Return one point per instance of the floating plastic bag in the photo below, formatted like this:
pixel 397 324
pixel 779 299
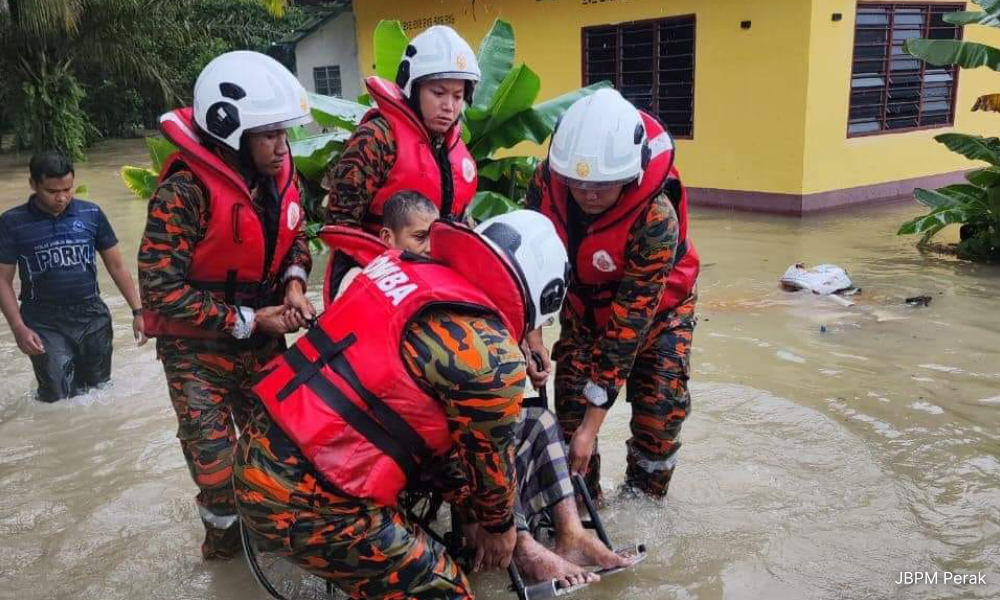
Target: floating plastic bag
pixel 821 279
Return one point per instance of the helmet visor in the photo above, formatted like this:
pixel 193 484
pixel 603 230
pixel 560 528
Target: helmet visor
pixel 591 185
pixel 306 118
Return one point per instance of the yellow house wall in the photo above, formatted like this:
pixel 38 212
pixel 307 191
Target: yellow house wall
pixel 834 161
pixel 749 85
pixel 771 102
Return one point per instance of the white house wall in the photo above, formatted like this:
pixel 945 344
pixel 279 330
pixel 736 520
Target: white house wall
pixel 335 43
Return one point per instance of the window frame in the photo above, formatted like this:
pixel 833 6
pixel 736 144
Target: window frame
pixel 954 7
pixel 326 69
pixel 656 59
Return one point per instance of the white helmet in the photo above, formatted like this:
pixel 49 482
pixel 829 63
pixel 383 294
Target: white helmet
pixel 599 141
pixel 530 242
pixel 247 91
pixel 437 53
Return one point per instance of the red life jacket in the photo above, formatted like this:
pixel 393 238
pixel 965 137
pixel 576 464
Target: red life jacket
pixel 415 167
pixel 229 260
pixel 598 253
pixel 343 394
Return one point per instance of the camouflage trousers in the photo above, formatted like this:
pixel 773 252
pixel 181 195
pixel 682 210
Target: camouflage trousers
pixel 210 389
pixel 368 551
pixel 657 389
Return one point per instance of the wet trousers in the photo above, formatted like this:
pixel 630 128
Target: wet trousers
pixel 77 340
pixel 210 388
pixel 371 551
pixel 656 389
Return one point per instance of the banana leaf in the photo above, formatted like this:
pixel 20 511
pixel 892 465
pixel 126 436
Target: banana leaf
pixel 516 93
pixel 972 147
pixel 496 59
pixel 993 207
pixel 984 178
pixel 141 181
pixel 299 132
pixel 534 124
pixel 160 148
pixel 936 219
pixel 490 204
pixel 494 170
pixel 336 112
pixel 966 17
pixel 990 15
pixel 968 55
pixel 312 155
pixel 952 196
pixel 390 41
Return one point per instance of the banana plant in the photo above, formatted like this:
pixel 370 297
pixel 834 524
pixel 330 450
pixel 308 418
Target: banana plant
pixel 975 205
pixel 502 114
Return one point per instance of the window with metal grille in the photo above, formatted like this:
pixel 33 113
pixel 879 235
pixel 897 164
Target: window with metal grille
pixel 890 89
pixel 651 63
pixel 327 80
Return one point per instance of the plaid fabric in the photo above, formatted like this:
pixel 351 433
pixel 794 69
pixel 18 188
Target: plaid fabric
pixel 542 466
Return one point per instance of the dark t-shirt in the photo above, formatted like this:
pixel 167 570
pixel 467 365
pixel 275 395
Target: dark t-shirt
pixel 56 257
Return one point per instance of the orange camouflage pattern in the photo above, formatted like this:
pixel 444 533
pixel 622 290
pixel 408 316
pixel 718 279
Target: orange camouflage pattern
pixel 359 172
pixel 474 367
pixel 209 380
pixel 642 348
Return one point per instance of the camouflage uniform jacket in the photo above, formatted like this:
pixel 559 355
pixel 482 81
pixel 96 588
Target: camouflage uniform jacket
pixel 177 219
pixel 649 255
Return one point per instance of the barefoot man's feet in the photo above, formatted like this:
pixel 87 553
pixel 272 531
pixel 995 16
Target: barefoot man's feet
pixel 538 563
pixel 585 550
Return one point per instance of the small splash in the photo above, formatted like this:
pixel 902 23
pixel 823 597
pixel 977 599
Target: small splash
pixel 854 356
pixel 924 379
pixel 993 400
pixel 830 372
pixel 784 355
pixel 942 368
pixel 927 407
pixel 878 397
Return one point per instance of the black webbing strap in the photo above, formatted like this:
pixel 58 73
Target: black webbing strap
pixel 231 286
pixel 306 369
pixel 391 421
pixel 387 431
pixel 361 421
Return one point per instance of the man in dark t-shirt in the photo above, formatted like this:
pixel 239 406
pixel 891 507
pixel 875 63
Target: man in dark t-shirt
pixel 52 241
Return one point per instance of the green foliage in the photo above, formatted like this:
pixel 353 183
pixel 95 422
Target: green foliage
pixel 48 115
pixel 502 115
pixel 140 181
pixel 390 42
pixel 491 204
pixel 976 205
pixel 113 111
pixel 130 60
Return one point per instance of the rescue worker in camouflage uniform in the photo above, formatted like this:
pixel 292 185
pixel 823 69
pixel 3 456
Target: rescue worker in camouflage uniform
pixel 412 140
pixel 610 187
pixel 318 480
pixel 223 264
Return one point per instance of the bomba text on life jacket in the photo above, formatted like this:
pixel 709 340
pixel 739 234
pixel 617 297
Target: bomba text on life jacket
pixel 387 276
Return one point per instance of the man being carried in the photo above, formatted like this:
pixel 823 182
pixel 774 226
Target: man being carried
pixel 543 477
pixel 318 480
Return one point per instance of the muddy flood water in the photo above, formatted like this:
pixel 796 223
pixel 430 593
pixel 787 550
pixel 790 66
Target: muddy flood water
pixel 831 450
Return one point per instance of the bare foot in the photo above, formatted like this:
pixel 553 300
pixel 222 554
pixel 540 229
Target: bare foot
pixel 538 563
pixel 586 550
